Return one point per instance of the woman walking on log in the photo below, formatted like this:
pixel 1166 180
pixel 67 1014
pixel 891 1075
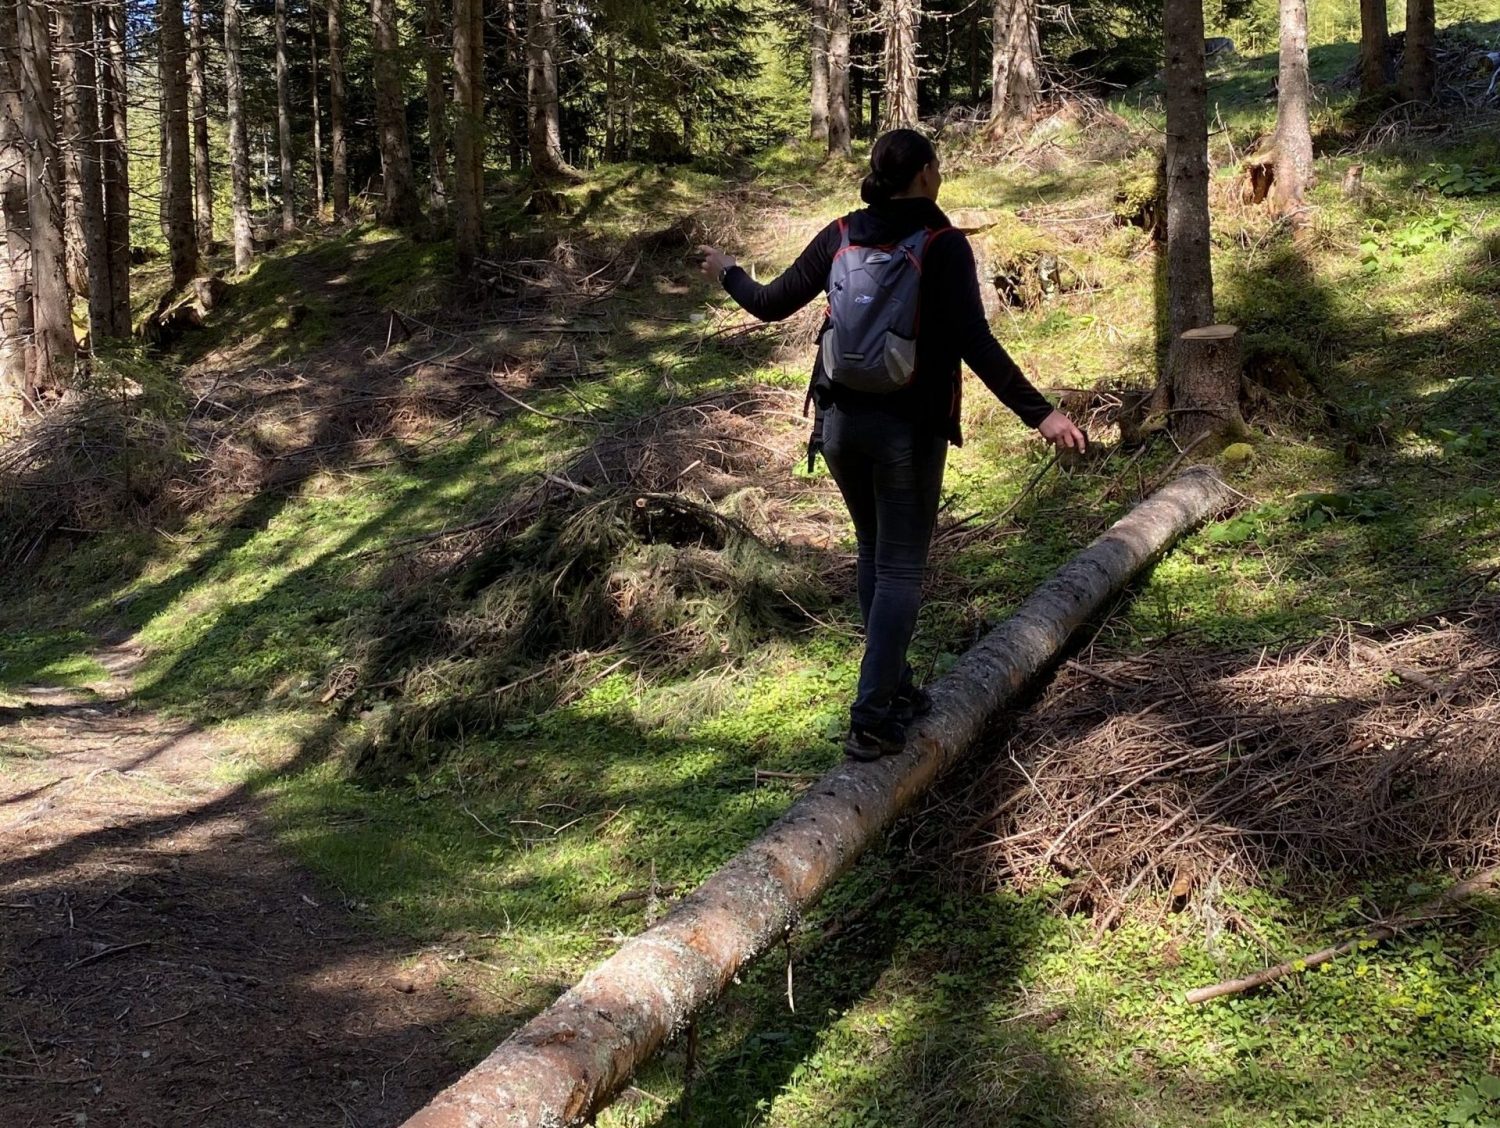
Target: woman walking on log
pixel 903 311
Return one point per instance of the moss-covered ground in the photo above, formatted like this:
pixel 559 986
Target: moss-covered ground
pixel 528 850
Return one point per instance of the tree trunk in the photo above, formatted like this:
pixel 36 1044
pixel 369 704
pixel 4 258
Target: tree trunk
pixel 902 23
pixel 1294 153
pixel 16 388
pixel 1190 287
pixel 434 58
pixel 109 20
pixel 78 87
pixel 54 349
pixel 611 109
pixel 239 139
pixel 544 123
pixel 1204 368
pixel 1374 58
pixel 203 199
pixel 468 136
pixel 1015 78
pixel 284 125
pixel 317 112
pixel 514 101
pixel 400 207
pixel 177 160
pixel 838 78
pixel 1418 67
pixel 566 1063
pixel 338 145
pixel 818 42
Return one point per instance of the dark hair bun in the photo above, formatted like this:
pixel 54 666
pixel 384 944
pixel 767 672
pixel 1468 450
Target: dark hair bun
pixel 895 160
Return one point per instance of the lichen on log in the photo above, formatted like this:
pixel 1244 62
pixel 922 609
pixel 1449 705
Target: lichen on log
pixel 567 1062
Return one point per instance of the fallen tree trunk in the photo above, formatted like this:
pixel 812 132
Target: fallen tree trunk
pixel 568 1061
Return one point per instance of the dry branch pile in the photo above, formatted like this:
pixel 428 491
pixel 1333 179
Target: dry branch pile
pixel 1165 771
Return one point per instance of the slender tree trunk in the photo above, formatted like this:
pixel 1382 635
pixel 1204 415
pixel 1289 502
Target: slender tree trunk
pixel 78 85
pixel 1015 75
pixel 317 112
pixel 838 78
pixel 818 43
pixel 1418 67
pixel 177 160
pixel 974 53
pixel 544 123
pixel 338 145
pixel 109 20
pixel 435 57
pixel 284 125
pixel 16 386
pixel 1294 153
pixel 400 206
pixel 239 139
pixel 1190 287
pixel 517 73
pixel 468 136
pixel 203 199
pixel 1374 59
pixel 53 344
pixel 611 110
pixel 902 24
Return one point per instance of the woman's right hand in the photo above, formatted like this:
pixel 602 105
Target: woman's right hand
pixel 1062 432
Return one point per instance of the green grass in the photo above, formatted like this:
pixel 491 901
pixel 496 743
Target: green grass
pixel 941 1004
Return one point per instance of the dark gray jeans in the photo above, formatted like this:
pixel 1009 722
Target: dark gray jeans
pixel 890 471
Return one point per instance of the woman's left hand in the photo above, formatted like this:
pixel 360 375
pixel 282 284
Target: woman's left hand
pixel 715 262
pixel 1062 432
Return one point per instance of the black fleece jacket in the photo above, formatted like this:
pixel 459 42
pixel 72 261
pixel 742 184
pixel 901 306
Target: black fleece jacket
pixel 951 325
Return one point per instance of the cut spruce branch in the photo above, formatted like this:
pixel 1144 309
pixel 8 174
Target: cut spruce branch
pixel 1429 911
pixel 567 1062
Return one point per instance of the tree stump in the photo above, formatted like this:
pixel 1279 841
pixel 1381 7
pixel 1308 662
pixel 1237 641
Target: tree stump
pixel 1203 367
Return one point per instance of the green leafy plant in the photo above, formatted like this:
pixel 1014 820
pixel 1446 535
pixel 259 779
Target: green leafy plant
pixel 1461 180
pixel 1385 248
pixel 1477 1104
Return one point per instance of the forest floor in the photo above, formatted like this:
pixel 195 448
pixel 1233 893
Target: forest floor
pixel 509 615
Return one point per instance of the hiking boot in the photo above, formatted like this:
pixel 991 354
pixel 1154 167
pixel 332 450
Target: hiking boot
pixel 911 704
pixel 874 741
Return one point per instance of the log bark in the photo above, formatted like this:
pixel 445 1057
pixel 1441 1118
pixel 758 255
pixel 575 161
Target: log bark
pixel 1203 366
pixel 818 46
pixel 1374 57
pixel 239 139
pixel 1294 149
pixel 567 1062
pixel 338 146
pixel 839 138
pixel 1190 283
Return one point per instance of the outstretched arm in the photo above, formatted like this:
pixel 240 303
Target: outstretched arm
pixel 986 356
pixel 797 285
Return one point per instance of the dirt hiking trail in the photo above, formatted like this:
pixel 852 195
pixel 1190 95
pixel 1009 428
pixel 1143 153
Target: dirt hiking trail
pixel 162 964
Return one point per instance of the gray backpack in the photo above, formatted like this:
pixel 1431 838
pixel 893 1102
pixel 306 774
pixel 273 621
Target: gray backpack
pixel 870 344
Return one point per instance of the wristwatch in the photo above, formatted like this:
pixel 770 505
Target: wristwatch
pixel 724 272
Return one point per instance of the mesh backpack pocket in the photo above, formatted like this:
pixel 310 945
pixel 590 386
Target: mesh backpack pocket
pixel 873 294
